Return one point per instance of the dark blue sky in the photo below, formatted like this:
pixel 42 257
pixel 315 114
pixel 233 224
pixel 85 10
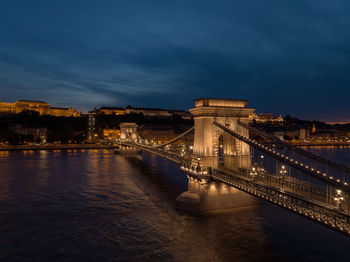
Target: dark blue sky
pixel 286 57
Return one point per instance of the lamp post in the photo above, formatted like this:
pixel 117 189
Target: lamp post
pixel 261 169
pixel 338 198
pixel 282 173
pixel 254 172
pixel 198 166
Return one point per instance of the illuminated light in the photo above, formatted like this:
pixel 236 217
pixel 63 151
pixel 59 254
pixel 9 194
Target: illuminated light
pixel 318 171
pixel 345 183
pixel 331 177
pixel 324 174
pixel 338 180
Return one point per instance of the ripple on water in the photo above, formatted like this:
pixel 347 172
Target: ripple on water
pixel 93 205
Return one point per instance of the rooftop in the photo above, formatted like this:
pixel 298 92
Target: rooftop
pixel 144 108
pixel 111 108
pixel 32 101
pixel 220 102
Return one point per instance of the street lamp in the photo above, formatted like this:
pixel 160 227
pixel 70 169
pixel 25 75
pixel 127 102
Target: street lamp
pixel 283 172
pixel 198 166
pixel 254 172
pixel 338 198
pixel 262 161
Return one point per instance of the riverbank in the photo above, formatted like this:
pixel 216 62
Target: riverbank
pixel 321 144
pixel 56 147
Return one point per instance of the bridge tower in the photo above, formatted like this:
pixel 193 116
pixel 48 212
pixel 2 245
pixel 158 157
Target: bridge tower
pixel 128 130
pixel 210 143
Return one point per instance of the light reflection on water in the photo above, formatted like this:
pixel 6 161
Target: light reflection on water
pixel 94 205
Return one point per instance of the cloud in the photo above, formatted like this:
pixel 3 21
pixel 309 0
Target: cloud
pixel 289 57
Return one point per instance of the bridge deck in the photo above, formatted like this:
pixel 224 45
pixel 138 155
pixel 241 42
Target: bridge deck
pixel 286 198
pixel 312 200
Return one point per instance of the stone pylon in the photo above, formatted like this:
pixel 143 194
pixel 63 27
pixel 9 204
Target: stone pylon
pixel 211 144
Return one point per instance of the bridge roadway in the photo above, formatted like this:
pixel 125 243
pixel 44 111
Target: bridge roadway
pixel 293 196
pixel 288 161
pixel 300 202
pixel 156 150
pixel 299 150
pixel 300 197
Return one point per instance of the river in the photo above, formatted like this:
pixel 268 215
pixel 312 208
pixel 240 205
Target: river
pixel 93 205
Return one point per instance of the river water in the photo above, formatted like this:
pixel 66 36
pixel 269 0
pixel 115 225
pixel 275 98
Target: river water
pixel 93 205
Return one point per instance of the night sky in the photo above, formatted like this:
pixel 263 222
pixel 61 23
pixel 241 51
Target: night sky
pixel 286 57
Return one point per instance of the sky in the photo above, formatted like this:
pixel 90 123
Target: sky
pixel 285 57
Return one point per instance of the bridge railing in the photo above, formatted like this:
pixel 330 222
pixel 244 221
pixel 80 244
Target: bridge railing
pixel 329 216
pixel 296 149
pixel 304 168
pixel 322 188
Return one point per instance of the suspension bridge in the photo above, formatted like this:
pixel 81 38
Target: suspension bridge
pixel 224 147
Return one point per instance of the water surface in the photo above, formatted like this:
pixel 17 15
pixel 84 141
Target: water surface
pixel 92 205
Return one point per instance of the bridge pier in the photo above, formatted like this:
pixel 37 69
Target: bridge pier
pixel 128 131
pixel 212 147
pixel 205 195
pixel 127 150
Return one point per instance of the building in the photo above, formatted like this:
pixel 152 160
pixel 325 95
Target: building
pixel 182 113
pixel 147 111
pixel 39 133
pixel 108 110
pixel 158 134
pixel 111 133
pixel 65 112
pixel 266 117
pixel 43 108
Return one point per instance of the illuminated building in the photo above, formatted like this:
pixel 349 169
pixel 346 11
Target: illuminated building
pixel 314 128
pixel 266 117
pixel 147 111
pixel 66 112
pixel 43 108
pixel 158 134
pixel 108 110
pixel 181 113
pixel 111 133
